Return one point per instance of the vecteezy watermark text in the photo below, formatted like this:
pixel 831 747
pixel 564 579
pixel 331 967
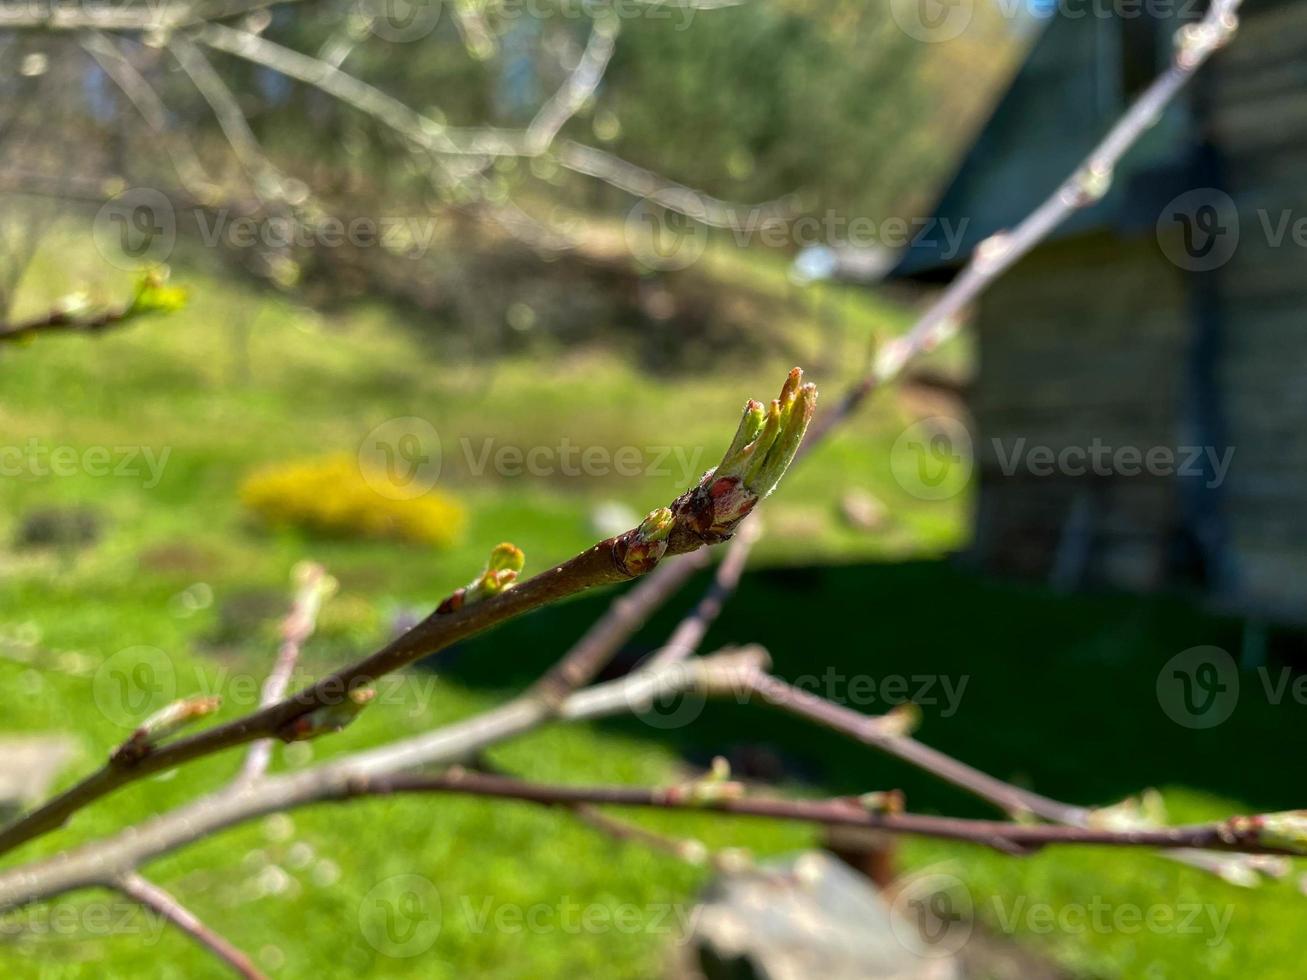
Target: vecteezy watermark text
pixel 81 918
pixel 936 915
pixel 403 915
pixel 40 459
pixel 140 225
pixel 1100 459
pixel 566 458
pixel 403 21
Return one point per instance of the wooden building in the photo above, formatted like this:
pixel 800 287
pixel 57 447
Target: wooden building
pixel 1170 318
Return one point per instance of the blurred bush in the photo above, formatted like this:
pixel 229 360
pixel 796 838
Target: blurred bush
pixel 333 496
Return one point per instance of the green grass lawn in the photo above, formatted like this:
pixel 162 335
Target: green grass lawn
pixel 1058 692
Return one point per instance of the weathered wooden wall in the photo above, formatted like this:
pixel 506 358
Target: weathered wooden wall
pixel 1083 340
pixel 1258 121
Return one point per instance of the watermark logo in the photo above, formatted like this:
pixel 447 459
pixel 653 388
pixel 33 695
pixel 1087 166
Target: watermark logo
pixel 401 916
pixel 1199 230
pixel 132 682
pixel 932 21
pixel 400 21
pixel 667 699
pixel 932 915
pixel 134 228
pixel 932 459
pixel 663 239
pixel 1199 687
pixel 400 459
pixel 407 236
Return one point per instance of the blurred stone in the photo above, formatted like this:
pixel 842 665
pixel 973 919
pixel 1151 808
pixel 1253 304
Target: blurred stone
pixel 862 511
pixel 64 527
pixel 28 767
pixel 178 558
pixel 807 917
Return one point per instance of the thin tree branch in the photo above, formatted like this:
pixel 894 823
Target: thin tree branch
pixel 1244 835
pixel 885 733
pixel 689 633
pixel 314 585
pixel 624 616
pixel 116 64
pixel 687 849
pixel 127 17
pixel 478 40
pixel 432 135
pixel 638 181
pixel 579 86
pixel 423 131
pixel 104 860
pixel 226 109
pixel 160 902
pixel 60 320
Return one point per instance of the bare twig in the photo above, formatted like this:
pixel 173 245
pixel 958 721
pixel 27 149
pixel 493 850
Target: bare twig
pixel 227 110
pixel 1244 835
pixel 624 616
pixel 141 94
pixel 689 633
pixel 160 902
pixel 579 86
pixel 887 734
pixel 314 585
pixel 150 18
pixel 686 849
pixel 104 860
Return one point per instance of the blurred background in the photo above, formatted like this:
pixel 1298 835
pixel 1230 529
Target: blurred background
pixel 459 273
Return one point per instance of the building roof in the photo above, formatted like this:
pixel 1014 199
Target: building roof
pixel 1080 75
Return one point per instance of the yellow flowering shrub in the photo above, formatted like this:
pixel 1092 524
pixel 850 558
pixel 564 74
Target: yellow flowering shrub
pixel 332 495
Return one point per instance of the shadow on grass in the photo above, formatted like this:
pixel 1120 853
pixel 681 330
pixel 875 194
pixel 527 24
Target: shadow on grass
pixel 1058 693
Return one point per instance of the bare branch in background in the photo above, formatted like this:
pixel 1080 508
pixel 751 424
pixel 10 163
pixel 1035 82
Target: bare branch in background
pixel 593 651
pixel 577 89
pixel 1260 834
pixel 313 587
pixel 663 192
pixel 119 67
pixel 476 34
pixel 128 17
pixel 154 898
pixel 103 860
pixel 689 633
pixel 263 173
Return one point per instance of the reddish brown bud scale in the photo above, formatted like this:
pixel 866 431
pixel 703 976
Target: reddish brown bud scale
pixel 452 603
